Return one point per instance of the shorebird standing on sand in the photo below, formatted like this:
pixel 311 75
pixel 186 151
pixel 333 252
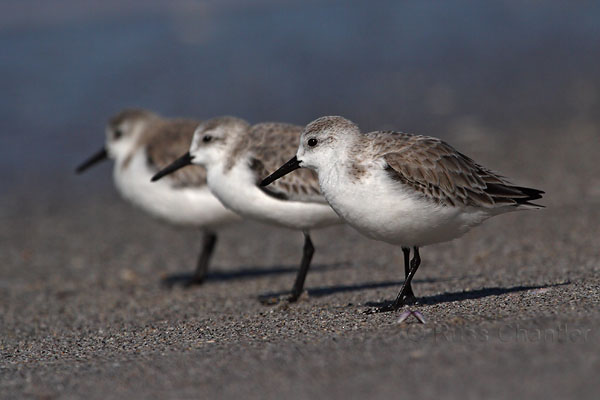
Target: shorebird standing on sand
pixel 141 143
pixel 407 190
pixel 236 156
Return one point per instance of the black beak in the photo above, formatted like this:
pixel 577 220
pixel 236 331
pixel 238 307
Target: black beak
pixel 285 169
pixel 96 158
pixel 181 162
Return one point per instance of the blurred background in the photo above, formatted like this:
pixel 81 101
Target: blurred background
pixel 513 84
pixel 474 69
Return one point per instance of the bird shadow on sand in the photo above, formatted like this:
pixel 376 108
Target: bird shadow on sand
pixel 244 273
pixel 471 294
pixel 329 290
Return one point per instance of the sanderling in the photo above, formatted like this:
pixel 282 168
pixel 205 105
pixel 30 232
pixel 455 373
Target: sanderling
pixel 404 189
pixel 141 143
pixel 236 156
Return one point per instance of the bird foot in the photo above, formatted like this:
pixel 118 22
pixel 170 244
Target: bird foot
pixel 393 306
pixel 272 300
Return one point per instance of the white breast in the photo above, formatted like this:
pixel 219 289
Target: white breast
pixel 193 206
pixel 384 210
pixel 238 191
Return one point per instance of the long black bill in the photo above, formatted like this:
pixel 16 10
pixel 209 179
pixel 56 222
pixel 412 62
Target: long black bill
pixel 181 162
pixel 96 158
pixel 285 169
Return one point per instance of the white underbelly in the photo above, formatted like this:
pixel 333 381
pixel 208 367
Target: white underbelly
pixel 238 192
pixel 383 210
pixel 192 206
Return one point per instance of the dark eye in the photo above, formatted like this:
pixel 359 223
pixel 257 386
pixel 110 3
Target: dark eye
pixel 206 138
pixel 118 133
pixel 312 142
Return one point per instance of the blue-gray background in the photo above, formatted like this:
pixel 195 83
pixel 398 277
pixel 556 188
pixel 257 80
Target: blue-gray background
pixel 442 68
pixel 82 314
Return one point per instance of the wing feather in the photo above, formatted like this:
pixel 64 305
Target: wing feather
pixel 435 169
pixel 168 141
pixel 271 145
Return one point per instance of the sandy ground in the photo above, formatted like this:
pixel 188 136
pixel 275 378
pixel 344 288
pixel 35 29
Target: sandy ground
pixel 511 308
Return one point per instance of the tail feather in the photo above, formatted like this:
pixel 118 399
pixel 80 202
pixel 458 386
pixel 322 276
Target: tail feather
pixel 519 195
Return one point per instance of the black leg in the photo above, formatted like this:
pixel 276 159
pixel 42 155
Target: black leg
pixel 410 296
pixel 209 240
pixel 307 255
pixel 402 296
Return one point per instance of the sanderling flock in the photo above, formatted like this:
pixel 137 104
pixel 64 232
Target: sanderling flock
pixel 403 189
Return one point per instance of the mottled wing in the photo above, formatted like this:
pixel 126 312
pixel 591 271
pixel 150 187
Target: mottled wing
pixel 166 143
pixel 435 169
pixel 273 144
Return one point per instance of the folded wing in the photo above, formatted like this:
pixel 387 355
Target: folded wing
pixel 273 144
pixel 169 141
pixel 435 169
